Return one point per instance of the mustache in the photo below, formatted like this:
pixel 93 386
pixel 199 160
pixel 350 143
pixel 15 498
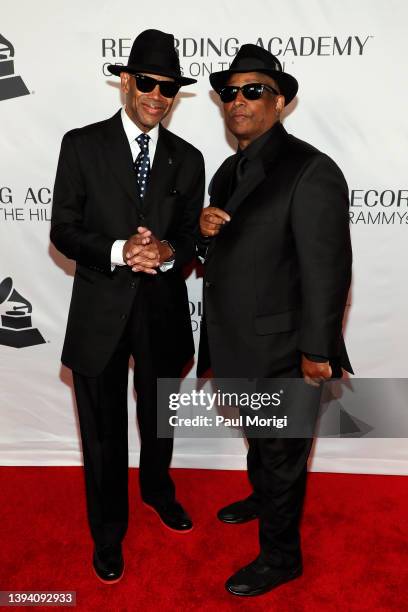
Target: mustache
pixel 239 112
pixel 153 101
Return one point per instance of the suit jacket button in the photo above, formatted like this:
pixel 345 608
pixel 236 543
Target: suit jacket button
pixel 208 284
pixel 141 217
pixel 123 317
pixel 133 285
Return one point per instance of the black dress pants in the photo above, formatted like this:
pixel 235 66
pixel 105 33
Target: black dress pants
pixel 277 469
pixel 103 418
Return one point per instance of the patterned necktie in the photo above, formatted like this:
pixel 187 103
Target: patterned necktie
pixel 142 164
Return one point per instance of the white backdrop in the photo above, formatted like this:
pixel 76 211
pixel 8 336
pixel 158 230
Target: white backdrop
pixel 350 60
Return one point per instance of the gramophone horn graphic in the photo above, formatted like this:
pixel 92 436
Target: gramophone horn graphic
pixel 16 329
pixel 11 86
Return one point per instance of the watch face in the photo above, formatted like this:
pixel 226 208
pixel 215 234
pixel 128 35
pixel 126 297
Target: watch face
pixel 168 244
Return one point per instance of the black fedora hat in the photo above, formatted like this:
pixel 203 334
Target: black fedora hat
pixel 153 51
pixel 251 58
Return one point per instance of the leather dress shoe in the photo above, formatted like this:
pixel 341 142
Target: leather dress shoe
pixel 173 516
pixel 239 512
pixel 258 577
pixel 108 563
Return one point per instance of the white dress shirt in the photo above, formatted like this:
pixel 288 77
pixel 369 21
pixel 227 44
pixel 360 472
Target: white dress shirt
pixel 132 132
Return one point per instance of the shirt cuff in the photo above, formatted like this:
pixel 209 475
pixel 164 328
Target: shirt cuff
pixel 316 358
pixel 117 254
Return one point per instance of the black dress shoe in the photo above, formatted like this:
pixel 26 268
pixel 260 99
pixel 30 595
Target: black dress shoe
pixel 173 516
pixel 239 512
pixel 258 577
pixel 108 563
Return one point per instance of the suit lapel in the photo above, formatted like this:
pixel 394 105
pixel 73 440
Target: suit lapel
pixel 254 175
pixel 163 168
pixel 119 155
pixel 220 185
pixel 258 169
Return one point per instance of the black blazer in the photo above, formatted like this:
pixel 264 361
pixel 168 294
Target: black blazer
pixel 95 203
pixel 277 276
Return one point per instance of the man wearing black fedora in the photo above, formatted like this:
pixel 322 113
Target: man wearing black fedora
pixel 127 200
pixel 277 227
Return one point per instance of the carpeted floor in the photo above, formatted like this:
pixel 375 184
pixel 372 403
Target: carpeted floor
pixel 355 540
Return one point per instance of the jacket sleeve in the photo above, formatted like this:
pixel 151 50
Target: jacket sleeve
pixel 320 223
pixel 183 239
pixel 68 232
pixel 203 243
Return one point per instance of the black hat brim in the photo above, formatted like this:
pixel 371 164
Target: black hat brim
pixel 288 85
pixel 116 69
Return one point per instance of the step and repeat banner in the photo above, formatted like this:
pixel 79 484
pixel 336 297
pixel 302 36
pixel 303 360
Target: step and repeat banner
pixel 349 59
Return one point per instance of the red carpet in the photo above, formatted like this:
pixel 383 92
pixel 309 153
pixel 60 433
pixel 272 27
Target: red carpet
pixel 355 539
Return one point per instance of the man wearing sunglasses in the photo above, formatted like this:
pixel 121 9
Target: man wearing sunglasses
pixel 277 251
pixel 127 200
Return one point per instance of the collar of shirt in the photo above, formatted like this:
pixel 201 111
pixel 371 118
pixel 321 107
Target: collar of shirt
pixel 132 132
pixel 254 148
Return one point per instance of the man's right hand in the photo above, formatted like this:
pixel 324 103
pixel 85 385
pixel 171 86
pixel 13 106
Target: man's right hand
pixel 135 255
pixel 212 219
pixel 315 372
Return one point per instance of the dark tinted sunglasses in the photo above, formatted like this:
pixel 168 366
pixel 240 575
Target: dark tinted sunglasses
pixel 251 91
pixel 145 84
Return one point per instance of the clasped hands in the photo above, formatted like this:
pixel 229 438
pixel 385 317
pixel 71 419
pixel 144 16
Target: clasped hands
pixel 143 252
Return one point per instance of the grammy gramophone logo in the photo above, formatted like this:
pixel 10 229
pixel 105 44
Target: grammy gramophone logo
pixel 16 329
pixel 11 86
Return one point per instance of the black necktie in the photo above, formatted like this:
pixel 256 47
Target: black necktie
pixel 239 170
pixel 142 164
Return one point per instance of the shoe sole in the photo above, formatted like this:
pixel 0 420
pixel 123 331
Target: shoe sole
pixel 239 522
pixel 109 581
pixel 267 589
pixel 163 523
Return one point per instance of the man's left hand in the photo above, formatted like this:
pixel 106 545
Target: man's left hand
pixel 314 372
pixel 152 255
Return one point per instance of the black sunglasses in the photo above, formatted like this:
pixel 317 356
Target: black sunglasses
pixel 251 91
pixel 145 84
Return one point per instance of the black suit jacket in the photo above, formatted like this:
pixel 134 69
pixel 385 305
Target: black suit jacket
pixel 278 274
pixel 95 203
